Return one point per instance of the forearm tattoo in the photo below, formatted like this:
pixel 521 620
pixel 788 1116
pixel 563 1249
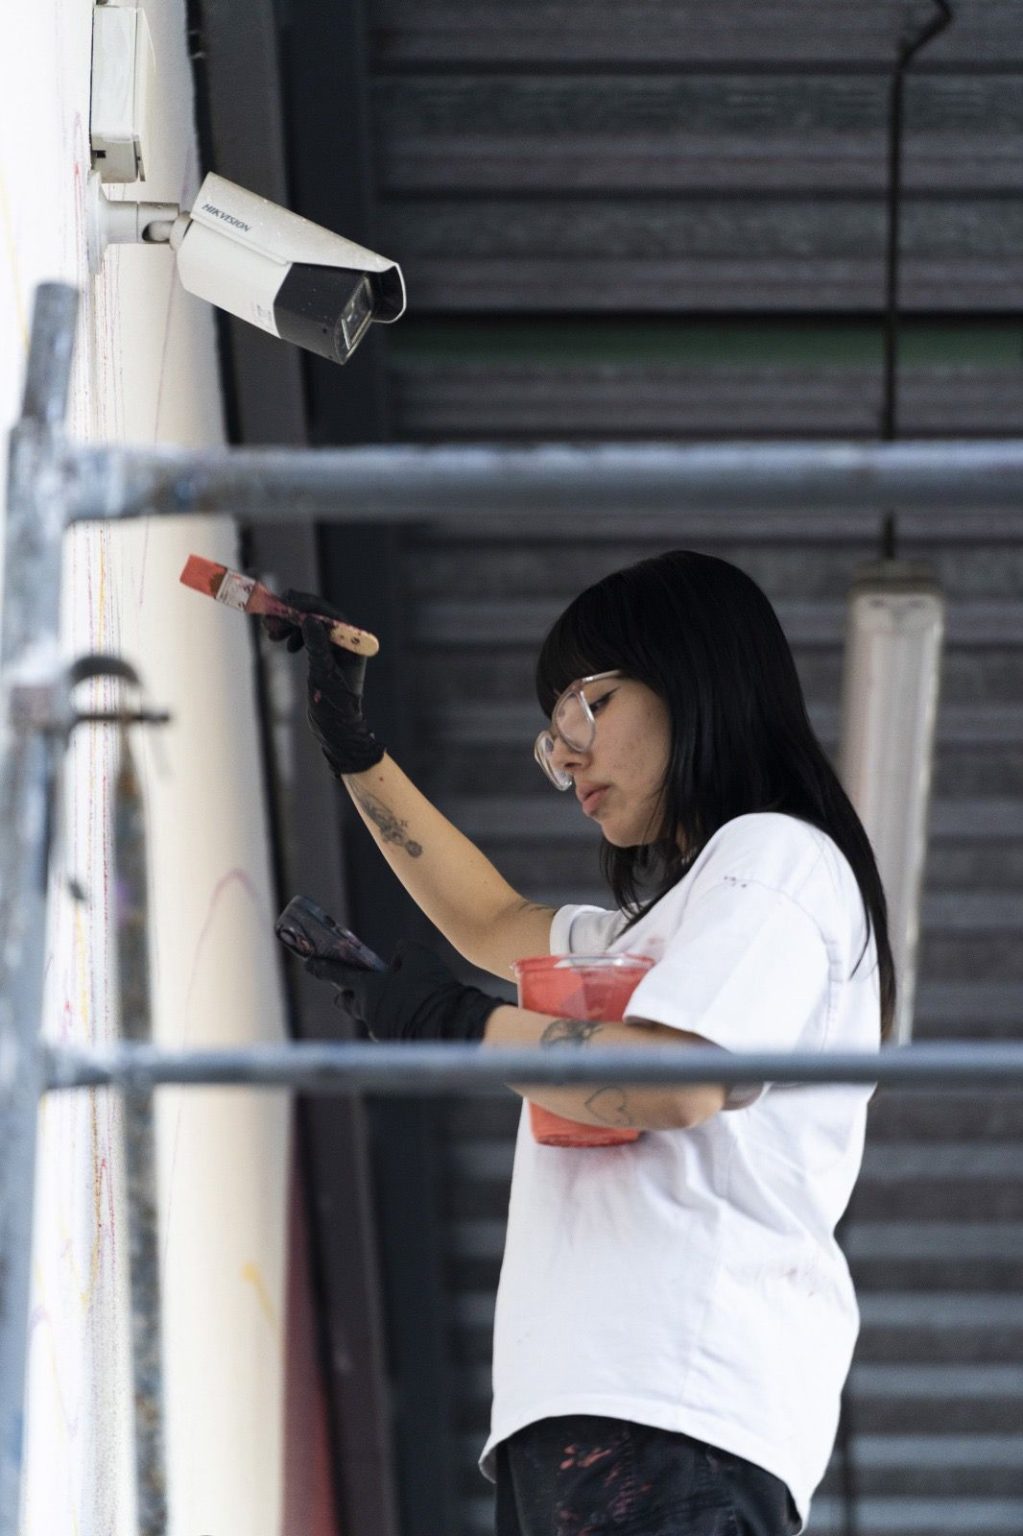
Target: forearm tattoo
pixel 391 829
pixel 609 1104
pixel 570 1031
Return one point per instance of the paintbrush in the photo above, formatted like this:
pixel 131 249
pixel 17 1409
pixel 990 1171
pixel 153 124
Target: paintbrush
pixel 250 596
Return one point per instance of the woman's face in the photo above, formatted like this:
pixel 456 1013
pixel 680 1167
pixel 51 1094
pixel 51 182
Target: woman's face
pixel 618 781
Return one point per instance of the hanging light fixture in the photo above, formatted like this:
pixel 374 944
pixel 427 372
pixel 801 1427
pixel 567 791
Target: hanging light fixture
pixel 894 633
pixel 895 628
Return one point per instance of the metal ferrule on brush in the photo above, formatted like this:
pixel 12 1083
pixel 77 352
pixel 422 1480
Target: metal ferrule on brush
pixel 235 589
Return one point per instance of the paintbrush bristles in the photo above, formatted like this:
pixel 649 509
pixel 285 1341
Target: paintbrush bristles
pixel 203 575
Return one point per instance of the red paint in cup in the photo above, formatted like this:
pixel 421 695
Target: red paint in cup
pixel 578 987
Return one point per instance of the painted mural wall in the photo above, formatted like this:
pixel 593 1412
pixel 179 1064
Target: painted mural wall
pixel 145 370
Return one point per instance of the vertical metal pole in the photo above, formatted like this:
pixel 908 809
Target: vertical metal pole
pixel 132 927
pixel 29 666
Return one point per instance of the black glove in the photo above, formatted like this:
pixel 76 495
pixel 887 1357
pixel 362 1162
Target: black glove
pixel 334 684
pixel 416 998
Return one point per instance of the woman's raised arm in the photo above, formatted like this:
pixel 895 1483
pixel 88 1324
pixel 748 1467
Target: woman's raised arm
pixel 446 875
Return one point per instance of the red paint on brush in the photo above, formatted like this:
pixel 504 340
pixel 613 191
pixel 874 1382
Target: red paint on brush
pixel 203 575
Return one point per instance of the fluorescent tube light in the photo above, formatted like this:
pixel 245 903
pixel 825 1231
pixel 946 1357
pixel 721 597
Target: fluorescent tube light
pixel 895 626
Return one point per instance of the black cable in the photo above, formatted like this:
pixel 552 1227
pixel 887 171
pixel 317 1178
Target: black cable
pixel 908 49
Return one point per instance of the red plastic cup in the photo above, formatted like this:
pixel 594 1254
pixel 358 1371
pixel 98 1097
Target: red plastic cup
pixel 578 987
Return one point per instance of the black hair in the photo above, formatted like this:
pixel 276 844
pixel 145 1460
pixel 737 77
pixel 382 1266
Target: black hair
pixel 700 632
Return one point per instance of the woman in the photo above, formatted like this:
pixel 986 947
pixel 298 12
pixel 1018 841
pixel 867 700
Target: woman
pixel 674 1318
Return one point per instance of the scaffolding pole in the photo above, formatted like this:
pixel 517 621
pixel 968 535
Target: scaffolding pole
pixel 33 705
pixel 437 1067
pixel 401 483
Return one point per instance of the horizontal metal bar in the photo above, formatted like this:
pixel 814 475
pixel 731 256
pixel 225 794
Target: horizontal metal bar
pixel 400 483
pixel 438 1067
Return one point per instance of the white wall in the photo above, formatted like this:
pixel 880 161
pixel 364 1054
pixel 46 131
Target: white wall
pixel 145 370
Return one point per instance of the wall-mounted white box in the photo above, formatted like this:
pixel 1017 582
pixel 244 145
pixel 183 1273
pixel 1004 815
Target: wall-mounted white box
pixel 123 72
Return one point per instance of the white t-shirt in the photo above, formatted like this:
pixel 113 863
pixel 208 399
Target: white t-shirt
pixel 690 1280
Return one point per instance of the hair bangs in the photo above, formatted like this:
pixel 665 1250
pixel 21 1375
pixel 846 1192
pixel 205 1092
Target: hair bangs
pixel 577 645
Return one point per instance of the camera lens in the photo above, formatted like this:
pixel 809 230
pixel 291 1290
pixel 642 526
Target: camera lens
pixel 324 309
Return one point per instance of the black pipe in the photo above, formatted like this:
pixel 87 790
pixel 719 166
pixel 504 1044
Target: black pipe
pixel 908 50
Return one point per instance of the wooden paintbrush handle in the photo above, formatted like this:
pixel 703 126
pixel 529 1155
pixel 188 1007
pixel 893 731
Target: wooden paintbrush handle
pixel 351 639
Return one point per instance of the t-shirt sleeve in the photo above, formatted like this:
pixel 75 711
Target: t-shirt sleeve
pixel 577 930
pixel 747 968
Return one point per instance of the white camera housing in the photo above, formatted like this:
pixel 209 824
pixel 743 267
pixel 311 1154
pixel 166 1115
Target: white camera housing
pixel 282 272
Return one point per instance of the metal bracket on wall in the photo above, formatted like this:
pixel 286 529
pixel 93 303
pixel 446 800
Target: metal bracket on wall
pixel 47 709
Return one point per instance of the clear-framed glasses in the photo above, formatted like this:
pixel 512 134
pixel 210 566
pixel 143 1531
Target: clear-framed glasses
pixel 573 720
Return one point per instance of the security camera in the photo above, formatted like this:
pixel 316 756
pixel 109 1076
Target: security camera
pixel 262 263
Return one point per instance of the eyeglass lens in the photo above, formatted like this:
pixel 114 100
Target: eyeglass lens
pixel 573 722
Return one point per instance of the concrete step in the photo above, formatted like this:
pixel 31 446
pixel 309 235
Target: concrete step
pixel 920 1517
pixel 931 1327
pixel 928 1466
pixel 969 1181
pixel 922 1256
pixel 974 1115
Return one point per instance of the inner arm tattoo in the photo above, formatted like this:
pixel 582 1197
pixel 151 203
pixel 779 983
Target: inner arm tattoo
pixel 607 1103
pixel 391 829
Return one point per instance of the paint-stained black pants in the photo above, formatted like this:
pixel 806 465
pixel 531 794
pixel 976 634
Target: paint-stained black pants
pixel 581 1475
